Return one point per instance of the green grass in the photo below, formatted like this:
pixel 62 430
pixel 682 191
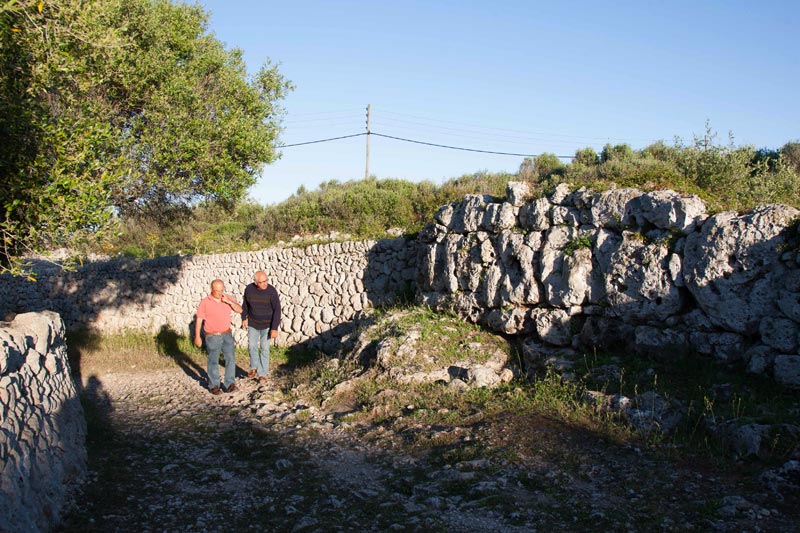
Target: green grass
pixel 132 351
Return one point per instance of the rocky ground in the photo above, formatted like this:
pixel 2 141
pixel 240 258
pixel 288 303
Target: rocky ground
pixel 165 455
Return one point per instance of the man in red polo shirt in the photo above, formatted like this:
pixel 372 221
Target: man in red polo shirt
pixel 214 317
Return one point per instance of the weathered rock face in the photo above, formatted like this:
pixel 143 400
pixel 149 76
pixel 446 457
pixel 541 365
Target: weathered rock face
pixel 42 430
pixel 646 271
pixel 733 267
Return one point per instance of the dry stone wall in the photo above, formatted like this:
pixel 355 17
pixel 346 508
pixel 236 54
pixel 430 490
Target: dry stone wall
pixel 42 428
pixel 648 272
pixel 321 286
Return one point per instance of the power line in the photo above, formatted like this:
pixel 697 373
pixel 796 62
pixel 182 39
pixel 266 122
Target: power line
pixel 474 135
pixel 463 149
pixel 323 140
pixel 419 142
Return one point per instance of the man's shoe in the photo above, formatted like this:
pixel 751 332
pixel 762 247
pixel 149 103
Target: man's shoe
pixel 215 391
pixel 232 388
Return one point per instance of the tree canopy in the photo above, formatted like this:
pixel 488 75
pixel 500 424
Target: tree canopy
pixel 122 106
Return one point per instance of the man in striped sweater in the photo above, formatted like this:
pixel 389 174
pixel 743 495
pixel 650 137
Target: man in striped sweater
pixel 261 317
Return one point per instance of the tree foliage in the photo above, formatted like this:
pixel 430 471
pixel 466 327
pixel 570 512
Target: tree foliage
pixel 122 106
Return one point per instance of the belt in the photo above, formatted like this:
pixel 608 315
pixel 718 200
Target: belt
pixel 217 333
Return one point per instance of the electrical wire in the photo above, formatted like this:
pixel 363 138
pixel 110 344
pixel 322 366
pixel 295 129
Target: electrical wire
pixel 418 142
pixel 322 140
pixel 462 149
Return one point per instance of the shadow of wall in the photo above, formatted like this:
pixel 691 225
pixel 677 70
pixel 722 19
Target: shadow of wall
pixel 321 286
pixel 104 295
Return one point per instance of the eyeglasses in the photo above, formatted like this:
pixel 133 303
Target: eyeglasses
pixel 261 282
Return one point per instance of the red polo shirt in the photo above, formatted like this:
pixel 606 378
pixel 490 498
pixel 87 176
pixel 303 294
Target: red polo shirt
pixel 216 315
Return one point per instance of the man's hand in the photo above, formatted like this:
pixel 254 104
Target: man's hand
pixel 244 324
pixel 198 341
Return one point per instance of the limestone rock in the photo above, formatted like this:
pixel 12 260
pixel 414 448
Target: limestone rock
pixel 612 209
pixel 43 429
pixel 671 210
pixel 560 194
pixel 553 326
pixel 664 344
pixel 638 284
pixel 779 333
pixel 517 192
pixel 725 347
pixel 732 266
pixel 535 215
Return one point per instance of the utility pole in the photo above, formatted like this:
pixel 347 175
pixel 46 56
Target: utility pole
pixel 366 172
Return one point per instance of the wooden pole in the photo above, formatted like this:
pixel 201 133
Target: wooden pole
pixel 366 172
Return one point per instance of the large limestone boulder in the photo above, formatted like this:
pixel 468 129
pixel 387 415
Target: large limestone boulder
pixel 565 270
pixel 637 282
pixel 733 266
pixel 535 215
pixel 670 210
pixel 517 192
pixel 612 209
pixel 465 216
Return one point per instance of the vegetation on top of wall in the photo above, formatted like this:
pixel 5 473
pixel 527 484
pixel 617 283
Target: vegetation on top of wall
pixel 727 177
pixel 361 209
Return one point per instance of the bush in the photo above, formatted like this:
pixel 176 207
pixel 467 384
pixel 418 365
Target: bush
pixel 725 176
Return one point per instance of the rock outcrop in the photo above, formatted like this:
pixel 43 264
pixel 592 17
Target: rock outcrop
pixel 42 429
pixel 648 271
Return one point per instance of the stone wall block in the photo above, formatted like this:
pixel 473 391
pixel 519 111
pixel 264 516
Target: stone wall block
pixel 732 266
pixel 638 284
pixel 613 209
pixel 535 215
pixel 552 262
pixel 553 326
pixel 510 321
pixel 787 370
pixel 664 344
pixel 561 195
pixel 565 216
pixel 779 333
pixel 517 193
pixel 499 217
pixel 42 430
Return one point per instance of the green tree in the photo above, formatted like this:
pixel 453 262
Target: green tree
pixel 547 164
pixel 790 152
pixel 586 157
pixel 123 106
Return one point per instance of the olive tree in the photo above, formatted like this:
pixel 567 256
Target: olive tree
pixel 122 107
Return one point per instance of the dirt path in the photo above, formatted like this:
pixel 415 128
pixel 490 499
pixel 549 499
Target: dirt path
pixel 167 456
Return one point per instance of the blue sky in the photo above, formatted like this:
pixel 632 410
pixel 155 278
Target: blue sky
pixel 511 76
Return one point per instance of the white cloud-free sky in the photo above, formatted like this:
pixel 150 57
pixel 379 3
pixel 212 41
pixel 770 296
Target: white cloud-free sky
pixel 511 76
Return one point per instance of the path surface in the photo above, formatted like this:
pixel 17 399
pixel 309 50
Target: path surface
pixel 165 455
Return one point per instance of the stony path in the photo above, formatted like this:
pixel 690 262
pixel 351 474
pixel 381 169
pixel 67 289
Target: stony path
pixel 171 457
pixel 165 455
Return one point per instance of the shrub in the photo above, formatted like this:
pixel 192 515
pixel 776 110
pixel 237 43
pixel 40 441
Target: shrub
pixel 586 157
pixel 547 164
